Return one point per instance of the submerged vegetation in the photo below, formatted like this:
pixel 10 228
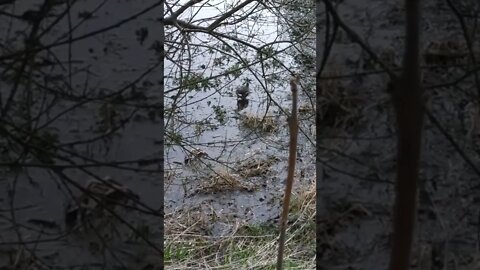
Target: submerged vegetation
pixel 267 124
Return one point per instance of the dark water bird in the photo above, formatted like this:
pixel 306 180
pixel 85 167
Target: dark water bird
pixel 243 91
pixel 242 104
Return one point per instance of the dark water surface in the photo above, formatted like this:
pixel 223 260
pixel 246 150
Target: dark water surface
pixel 105 62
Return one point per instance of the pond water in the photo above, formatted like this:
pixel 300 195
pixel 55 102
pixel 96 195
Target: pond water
pixel 112 62
pixel 229 144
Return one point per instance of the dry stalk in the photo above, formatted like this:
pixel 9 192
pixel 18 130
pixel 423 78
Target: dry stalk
pixel 293 122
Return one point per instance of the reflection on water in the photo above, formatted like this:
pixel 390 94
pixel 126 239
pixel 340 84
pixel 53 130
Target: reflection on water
pixel 242 104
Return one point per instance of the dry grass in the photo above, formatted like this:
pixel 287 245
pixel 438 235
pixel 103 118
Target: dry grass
pixel 265 124
pixel 447 52
pixel 337 108
pixel 306 109
pixel 304 200
pixel 189 243
pixel 224 181
pixel 255 167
